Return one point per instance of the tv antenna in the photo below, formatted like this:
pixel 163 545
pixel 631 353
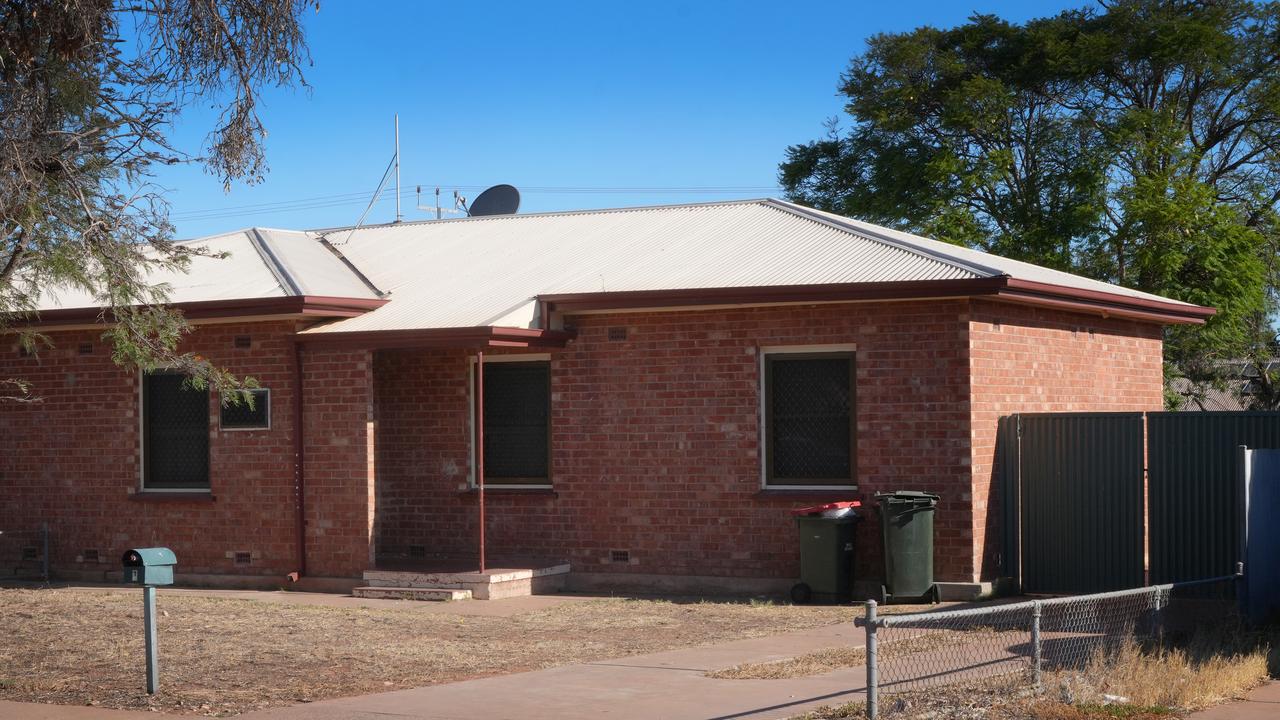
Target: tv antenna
pixel 377 194
pixel 436 208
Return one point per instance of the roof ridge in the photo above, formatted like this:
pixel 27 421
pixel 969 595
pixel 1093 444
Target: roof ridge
pixel 550 213
pixel 274 262
pixel 857 228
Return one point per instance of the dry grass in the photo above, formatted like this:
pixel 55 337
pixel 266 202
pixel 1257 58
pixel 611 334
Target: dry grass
pixel 831 659
pixel 814 663
pixel 224 657
pixel 1125 681
pixel 1213 668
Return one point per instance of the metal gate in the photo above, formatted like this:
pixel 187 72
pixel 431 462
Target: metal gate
pixel 1081 501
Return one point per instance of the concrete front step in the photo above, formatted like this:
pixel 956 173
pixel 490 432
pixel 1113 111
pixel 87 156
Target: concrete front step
pixel 490 585
pixel 412 593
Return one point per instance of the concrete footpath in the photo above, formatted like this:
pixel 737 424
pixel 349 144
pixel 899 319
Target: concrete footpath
pixel 668 685
pixel 1261 704
pixel 661 686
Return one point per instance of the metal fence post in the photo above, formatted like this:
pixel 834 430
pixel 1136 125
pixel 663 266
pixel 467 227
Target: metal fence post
pixel 1035 643
pixel 873 680
pixel 149 620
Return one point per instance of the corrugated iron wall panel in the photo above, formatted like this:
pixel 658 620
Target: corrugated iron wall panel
pixel 1194 493
pixel 1081 477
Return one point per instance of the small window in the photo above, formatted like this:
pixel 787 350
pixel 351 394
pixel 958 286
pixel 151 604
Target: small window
pixel 253 412
pixel 809 421
pixel 517 423
pixel 175 433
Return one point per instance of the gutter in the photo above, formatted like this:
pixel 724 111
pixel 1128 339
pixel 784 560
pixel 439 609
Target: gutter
pixel 1002 288
pixel 320 306
pixel 481 336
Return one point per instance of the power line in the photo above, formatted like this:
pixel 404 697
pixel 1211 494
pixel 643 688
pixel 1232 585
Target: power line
pixel 355 198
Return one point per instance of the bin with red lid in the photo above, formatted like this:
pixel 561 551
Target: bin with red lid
pixel 826 551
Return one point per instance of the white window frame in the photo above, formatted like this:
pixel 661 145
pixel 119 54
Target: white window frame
pixel 142 443
pixel 762 441
pixel 256 428
pixel 471 420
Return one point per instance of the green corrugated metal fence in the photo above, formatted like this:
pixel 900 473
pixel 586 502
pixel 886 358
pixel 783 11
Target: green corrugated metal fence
pixel 1072 488
pixel 1194 496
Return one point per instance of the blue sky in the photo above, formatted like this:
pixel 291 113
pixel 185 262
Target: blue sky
pixel 546 95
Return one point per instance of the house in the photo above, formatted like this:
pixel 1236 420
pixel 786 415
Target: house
pixel 661 386
pixel 1248 385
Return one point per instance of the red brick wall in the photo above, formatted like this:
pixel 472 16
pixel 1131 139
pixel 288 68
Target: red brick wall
pixel 72 459
pixel 339 433
pixel 1032 360
pixel 655 440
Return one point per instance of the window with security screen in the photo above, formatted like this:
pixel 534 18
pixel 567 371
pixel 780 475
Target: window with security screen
pixel 517 423
pixel 175 433
pixel 252 411
pixel 809 422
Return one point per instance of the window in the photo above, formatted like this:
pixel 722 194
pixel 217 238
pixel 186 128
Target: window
pixel 517 422
pixel 240 416
pixel 808 419
pixel 175 433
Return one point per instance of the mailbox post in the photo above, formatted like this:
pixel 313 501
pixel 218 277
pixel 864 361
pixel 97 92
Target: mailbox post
pixel 149 567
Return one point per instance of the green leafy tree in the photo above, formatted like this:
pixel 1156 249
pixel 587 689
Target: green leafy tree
pixel 88 92
pixel 1137 143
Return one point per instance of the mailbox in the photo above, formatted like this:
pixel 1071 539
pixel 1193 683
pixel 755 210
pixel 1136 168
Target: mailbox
pixel 149 566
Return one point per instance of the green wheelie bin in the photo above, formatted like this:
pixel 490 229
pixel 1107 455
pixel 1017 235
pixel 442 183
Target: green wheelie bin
pixel 906 524
pixel 826 552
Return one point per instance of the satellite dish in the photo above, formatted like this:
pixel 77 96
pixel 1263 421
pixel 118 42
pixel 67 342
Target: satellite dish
pixel 497 200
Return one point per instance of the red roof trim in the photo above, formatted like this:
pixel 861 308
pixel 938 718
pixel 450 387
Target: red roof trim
pixel 576 302
pixel 1004 288
pixel 482 336
pixel 309 305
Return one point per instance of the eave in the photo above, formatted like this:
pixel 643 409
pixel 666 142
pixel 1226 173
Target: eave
pixel 313 306
pixel 464 337
pixel 1001 288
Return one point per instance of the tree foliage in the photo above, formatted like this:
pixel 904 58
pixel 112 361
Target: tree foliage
pixel 1137 142
pixel 88 92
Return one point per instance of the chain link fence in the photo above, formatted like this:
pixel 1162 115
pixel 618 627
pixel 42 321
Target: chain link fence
pixel 1018 643
pixel 24 554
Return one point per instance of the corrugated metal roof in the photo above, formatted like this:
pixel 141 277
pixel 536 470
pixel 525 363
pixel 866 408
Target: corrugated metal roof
pixel 993 264
pixel 490 270
pixel 259 263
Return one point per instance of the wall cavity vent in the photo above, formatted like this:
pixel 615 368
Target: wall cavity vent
pixel 620 556
pixel 243 558
pixel 85 348
pixel 417 551
pixel 30 553
pixel 617 334
pixel 89 556
pixel 243 342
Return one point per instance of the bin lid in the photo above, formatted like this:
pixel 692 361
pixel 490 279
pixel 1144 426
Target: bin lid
pixel 819 509
pixel 908 496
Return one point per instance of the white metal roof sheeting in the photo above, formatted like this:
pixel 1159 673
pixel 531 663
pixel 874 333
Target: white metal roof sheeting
pixel 994 264
pixel 259 263
pixel 488 271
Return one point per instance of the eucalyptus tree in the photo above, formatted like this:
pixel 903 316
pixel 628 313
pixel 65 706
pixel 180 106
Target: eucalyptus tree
pixel 89 90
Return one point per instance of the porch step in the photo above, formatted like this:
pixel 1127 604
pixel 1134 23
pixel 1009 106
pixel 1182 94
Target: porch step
pixel 412 593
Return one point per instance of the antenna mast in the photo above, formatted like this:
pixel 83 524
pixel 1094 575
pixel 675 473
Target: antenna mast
pixel 399 217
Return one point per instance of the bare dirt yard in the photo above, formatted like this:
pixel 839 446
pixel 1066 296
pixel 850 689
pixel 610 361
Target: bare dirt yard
pixel 226 656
